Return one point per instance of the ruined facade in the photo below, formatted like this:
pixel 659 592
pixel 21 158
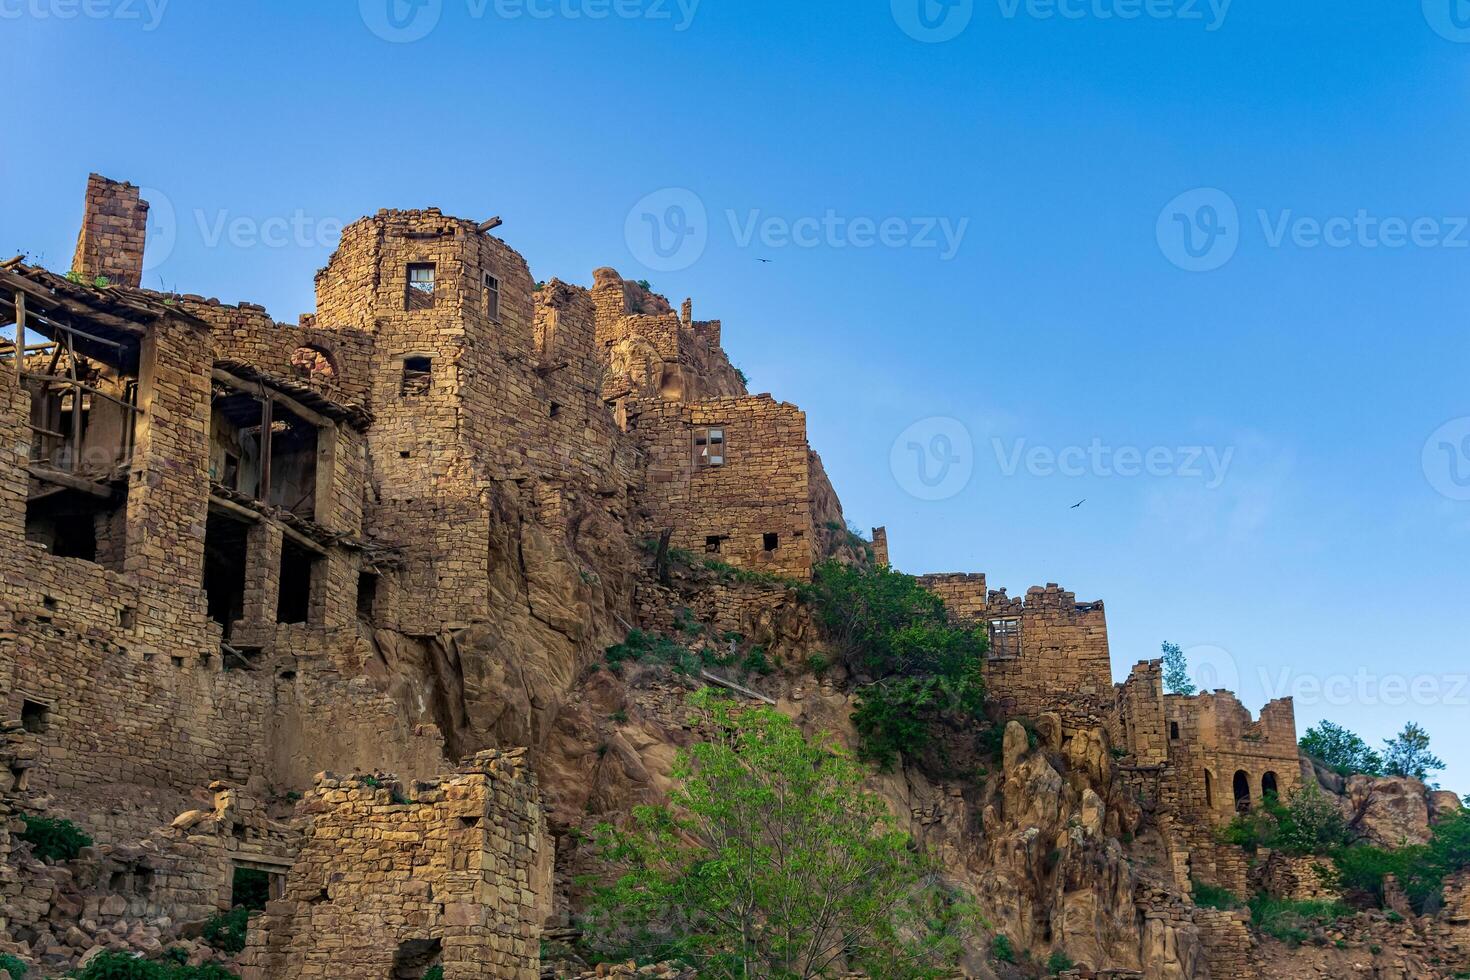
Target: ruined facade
pixel 395 536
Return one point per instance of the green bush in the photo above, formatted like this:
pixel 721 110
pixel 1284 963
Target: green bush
pixel 14 966
pixel 1059 962
pixel 1420 868
pixel 225 931
pixel 1291 921
pixel 917 670
pixel 1309 824
pixel 1208 896
pixel 1001 948
pixel 54 839
pixel 435 972
pixel 122 966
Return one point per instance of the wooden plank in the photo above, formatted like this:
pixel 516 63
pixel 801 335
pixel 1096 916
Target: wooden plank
pixel 61 479
pixel 232 509
pixel 59 380
pixel 20 335
pixel 737 688
pixel 48 299
pixel 256 388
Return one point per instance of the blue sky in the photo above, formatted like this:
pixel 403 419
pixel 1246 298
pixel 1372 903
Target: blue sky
pixel 1057 327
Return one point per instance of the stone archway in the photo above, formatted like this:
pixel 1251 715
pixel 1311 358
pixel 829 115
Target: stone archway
pixel 1242 787
pixel 1270 786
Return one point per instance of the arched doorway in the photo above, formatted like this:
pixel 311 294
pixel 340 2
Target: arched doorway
pixel 314 364
pixel 1268 785
pixel 1242 791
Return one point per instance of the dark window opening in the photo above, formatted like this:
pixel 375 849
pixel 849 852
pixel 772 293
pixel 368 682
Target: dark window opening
pixel 1005 639
pixel 1268 785
pixel 469 822
pixel 127 617
pixel 709 447
pixel 555 410
pixel 1242 791
pixel 22 777
pixel 34 716
pixel 367 594
pixel 293 605
pixel 251 888
pixel 492 297
pixel 420 294
pixel 1209 789
pixel 415 958
pixel 770 541
pixel 418 376
pixel 71 523
pixel 1174 729
pixel 712 544
pixel 224 569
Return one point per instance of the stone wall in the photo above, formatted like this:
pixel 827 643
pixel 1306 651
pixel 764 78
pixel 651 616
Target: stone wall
pixel 1048 651
pixel 760 496
pixel 392 880
pixel 114 225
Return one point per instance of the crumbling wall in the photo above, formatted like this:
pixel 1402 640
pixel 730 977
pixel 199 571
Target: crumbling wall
pixel 392 880
pixel 114 226
pixel 1228 759
pixel 759 496
pixel 1048 652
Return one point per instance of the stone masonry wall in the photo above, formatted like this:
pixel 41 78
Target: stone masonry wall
pixel 114 226
pixel 762 489
pixel 392 880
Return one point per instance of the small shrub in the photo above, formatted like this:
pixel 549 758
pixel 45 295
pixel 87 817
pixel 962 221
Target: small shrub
pixel 225 931
pixel 54 839
pixel 1059 962
pixel 1001 948
pixel 620 716
pixel 122 966
pixel 435 972
pixel 1395 918
pixel 1208 896
pixel 1291 921
pixel 14 966
pixel 755 662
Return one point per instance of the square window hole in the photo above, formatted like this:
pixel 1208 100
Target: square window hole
pixel 34 716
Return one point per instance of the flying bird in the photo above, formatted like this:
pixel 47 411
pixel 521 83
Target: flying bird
pixel 1079 503
pixel 766 261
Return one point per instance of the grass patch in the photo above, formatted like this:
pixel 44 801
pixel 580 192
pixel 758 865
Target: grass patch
pixel 1292 921
pixel 1208 896
pixel 54 839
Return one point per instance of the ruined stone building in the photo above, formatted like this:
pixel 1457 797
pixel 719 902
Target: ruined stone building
pixel 240 556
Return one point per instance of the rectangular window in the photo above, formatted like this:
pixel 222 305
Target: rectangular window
pixel 293 603
pixel 712 544
pixel 420 286
pixel 770 541
pixel 34 716
pixel 492 298
pixel 709 447
pixel 1005 639
pixel 1173 729
pixel 417 376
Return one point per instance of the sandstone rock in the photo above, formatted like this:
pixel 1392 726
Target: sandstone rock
pixel 1389 810
pixel 1015 744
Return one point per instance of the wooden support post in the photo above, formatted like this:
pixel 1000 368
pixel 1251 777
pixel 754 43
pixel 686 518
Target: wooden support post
pixel 76 405
pixel 266 421
pixel 20 333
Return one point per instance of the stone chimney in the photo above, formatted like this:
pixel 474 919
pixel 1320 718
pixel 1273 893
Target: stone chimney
pixel 114 228
pixel 880 545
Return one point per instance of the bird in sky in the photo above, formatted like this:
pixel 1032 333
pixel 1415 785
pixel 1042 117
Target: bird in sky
pixel 766 261
pixel 1079 503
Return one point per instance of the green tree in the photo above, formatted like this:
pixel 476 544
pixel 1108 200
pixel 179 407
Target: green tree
pixel 1408 754
pixel 770 860
pixel 917 671
pixel 1341 750
pixel 1310 824
pixel 1176 671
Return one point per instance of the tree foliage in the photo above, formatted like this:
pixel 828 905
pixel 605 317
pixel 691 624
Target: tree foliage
pixel 1176 671
pixel 916 669
pixel 770 860
pixel 1408 754
pixel 54 839
pixel 1309 824
pixel 1341 750
pixel 1420 868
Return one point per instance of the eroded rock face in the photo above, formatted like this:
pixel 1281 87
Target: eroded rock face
pixel 1389 810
